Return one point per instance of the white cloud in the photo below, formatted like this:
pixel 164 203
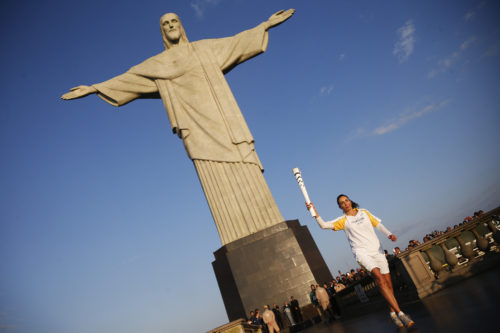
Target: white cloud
pixel 432 73
pixel 465 45
pixel 341 57
pixel 326 90
pixel 199 6
pixel 386 129
pixel 394 124
pixel 356 134
pixel 469 15
pixel 447 62
pixel 408 115
pixel 406 44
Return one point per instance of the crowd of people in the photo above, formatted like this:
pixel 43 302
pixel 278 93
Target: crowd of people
pixel 436 233
pixel 275 318
pixel 348 278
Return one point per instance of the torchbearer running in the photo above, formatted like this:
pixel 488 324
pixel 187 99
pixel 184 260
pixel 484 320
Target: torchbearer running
pixel 358 225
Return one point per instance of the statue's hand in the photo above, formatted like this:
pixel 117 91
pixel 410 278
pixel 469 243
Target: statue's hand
pixel 78 92
pixel 279 17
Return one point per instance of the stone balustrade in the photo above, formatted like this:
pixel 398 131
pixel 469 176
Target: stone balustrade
pixel 459 246
pixel 237 326
pixel 457 253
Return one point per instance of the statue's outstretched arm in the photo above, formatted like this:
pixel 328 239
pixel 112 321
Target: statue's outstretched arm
pixel 279 17
pixel 79 92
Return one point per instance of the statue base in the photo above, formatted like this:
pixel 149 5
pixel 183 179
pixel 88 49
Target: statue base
pixel 268 267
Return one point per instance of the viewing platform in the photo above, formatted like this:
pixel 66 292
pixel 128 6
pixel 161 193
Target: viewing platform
pixel 448 284
pixel 468 306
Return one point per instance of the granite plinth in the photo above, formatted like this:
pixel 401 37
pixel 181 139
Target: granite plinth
pixel 268 267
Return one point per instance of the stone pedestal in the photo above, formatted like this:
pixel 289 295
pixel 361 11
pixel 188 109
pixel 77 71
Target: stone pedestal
pixel 268 267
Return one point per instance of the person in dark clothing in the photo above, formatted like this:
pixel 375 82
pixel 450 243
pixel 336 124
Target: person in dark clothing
pixel 260 321
pixel 277 315
pixel 252 320
pixel 296 313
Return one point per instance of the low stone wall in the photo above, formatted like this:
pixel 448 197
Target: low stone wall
pixel 458 254
pixel 237 326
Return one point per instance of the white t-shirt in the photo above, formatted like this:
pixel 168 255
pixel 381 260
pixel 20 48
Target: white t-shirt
pixel 359 230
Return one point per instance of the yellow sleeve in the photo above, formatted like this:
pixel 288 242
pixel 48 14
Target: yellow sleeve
pixel 339 224
pixel 373 219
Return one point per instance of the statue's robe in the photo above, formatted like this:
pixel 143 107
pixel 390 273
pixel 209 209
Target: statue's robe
pixel 202 110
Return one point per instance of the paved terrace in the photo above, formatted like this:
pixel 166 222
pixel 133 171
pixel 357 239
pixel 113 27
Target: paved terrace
pixel 450 284
pixel 471 305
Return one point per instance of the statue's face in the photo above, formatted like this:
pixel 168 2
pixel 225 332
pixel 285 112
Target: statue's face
pixel 171 25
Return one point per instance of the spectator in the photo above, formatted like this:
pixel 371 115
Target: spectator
pixel 339 286
pixel 288 313
pixel 325 286
pixel 260 321
pixel 334 306
pixel 314 299
pixel 252 320
pixel 324 302
pixel 296 313
pixel 331 288
pixel 277 315
pixel 270 320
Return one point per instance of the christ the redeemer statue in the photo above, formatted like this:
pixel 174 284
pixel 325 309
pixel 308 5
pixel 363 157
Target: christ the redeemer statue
pixel 189 78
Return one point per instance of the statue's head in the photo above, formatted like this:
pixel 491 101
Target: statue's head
pixel 172 30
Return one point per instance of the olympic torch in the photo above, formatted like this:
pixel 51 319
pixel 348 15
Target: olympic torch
pixel 300 181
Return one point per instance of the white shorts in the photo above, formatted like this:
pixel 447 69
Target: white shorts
pixel 373 260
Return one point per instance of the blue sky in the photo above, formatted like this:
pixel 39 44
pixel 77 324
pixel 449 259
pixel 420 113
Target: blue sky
pixel 104 226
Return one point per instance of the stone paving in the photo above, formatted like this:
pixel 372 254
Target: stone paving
pixel 472 305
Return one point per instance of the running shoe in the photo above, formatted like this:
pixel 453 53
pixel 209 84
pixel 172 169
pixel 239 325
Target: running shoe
pixel 395 319
pixel 406 320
